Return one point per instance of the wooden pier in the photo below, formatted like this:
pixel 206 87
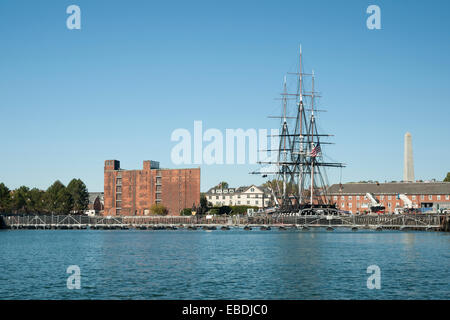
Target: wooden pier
pixel 437 222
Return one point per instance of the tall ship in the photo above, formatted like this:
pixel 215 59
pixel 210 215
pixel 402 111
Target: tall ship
pixel 298 179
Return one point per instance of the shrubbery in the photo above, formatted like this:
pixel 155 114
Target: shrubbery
pixel 158 210
pixel 186 212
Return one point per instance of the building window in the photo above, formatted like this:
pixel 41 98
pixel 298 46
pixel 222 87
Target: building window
pixel 335 198
pixel 447 197
pixel 357 197
pixel 422 197
pixel 239 202
pixel 430 197
pixel 256 201
pixel 248 202
pixel 217 197
pixel 381 197
pixel 357 204
pixel 389 197
pixel 414 197
pixel 209 197
pixel 252 190
pixel 349 205
pixel 342 205
pixel 389 204
pixel 350 198
pixel 439 197
pixel 342 198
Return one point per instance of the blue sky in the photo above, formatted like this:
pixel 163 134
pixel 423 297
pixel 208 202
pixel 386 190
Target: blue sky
pixel 137 70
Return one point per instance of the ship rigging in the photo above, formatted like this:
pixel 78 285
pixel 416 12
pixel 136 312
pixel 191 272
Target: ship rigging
pixel 301 182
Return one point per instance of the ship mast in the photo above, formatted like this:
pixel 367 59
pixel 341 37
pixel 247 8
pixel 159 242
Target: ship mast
pixel 300 112
pixel 284 136
pixel 312 138
pixel 300 157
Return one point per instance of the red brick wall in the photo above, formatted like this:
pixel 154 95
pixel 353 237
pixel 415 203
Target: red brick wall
pixel 179 189
pixel 385 201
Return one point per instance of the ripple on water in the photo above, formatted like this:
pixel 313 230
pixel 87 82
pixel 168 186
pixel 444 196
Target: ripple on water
pixel 235 264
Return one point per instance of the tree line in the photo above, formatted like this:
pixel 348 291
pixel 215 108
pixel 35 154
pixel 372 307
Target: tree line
pixel 57 199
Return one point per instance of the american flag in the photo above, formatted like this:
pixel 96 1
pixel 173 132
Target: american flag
pixel 315 151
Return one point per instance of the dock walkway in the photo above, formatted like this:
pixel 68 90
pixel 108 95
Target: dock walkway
pixel 437 222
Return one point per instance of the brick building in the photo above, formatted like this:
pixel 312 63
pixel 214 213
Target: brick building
pixel 133 192
pixel 96 201
pixel 356 197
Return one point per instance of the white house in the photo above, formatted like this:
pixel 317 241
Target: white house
pixel 248 196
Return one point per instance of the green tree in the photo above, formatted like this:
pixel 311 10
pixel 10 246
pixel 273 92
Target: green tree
pixel 51 196
pixel 80 195
pixel 203 202
pixel 224 210
pixel 223 185
pixel 158 209
pixel 20 200
pixel 447 178
pixel 5 198
pixel 242 209
pixel 37 200
pixel 277 186
pixel 64 202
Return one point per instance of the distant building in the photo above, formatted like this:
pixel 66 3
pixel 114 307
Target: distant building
pixel 408 161
pixel 250 196
pixel 133 192
pixel 355 197
pixel 96 202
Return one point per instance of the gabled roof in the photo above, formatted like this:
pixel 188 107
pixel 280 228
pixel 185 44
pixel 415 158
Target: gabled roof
pixel 392 188
pixel 94 195
pixel 238 190
pixel 252 186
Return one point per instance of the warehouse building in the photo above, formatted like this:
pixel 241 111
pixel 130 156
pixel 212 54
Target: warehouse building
pixel 358 197
pixel 133 192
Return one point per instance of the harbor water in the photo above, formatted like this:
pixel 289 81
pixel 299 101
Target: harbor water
pixel 233 264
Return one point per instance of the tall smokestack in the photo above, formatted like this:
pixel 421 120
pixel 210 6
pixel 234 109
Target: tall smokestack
pixel 408 165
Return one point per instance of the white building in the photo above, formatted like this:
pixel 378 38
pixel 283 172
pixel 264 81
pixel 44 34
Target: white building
pixel 242 196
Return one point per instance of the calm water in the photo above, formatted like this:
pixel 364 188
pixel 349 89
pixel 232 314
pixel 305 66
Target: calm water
pixel 233 264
